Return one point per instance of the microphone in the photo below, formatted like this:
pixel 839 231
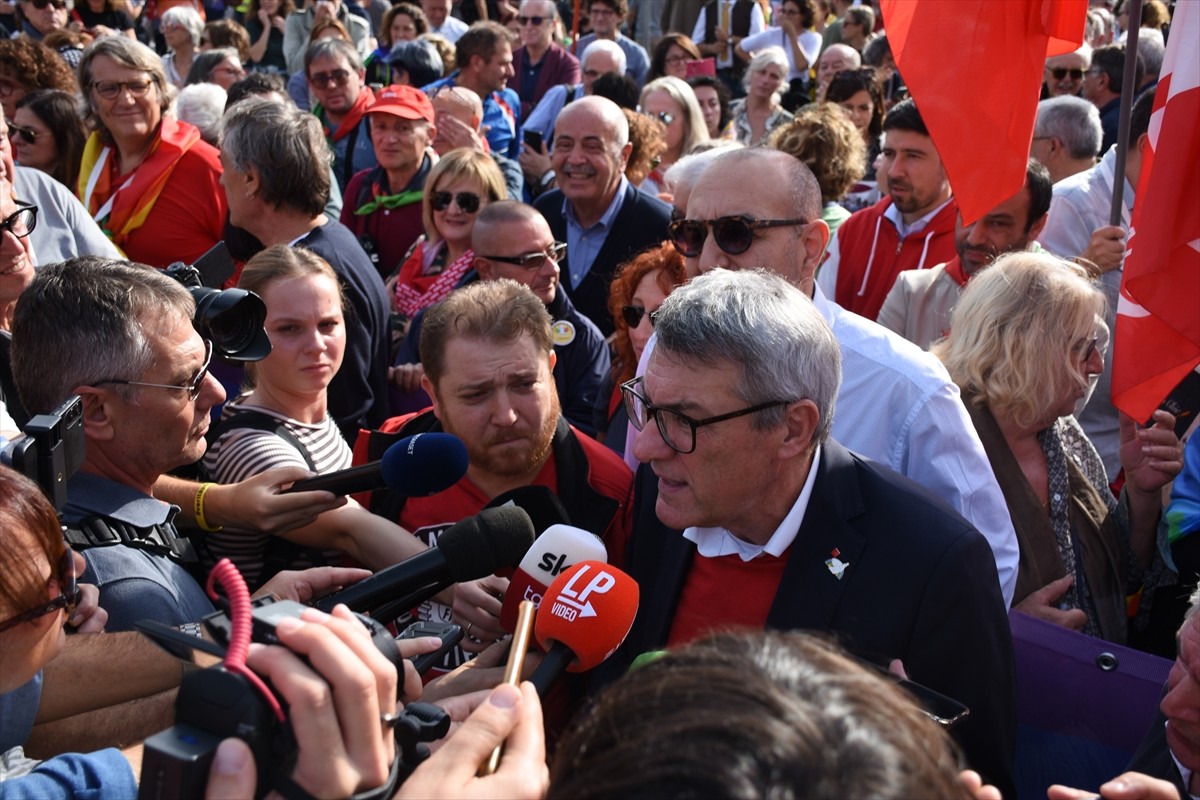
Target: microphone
pixel 558 549
pixel 585 615
pixel 415 466
pixel 471 548
pixel 543 506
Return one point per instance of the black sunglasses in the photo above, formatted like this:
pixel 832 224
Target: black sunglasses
pixel 733 235
pixel 467 201
pixel 523 21
pixel 1061 72
pixel 28 135
pixel 633 315
pixel 533 261
pixel 68 594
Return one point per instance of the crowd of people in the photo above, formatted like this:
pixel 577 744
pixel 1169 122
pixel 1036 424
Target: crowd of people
pixel 692 275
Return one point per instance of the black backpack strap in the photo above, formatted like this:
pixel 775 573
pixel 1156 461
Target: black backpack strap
pixel 257 420
pixel 164 539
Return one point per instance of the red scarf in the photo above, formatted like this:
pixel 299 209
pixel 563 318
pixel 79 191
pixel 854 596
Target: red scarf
pixel 955 270
pixel 133 196
pixel 416 290
pixel 354 116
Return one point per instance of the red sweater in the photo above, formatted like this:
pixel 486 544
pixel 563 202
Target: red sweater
pixel 871 254
pixel 707 604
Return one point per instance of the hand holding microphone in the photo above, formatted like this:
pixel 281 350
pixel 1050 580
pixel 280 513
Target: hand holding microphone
pixel 415 466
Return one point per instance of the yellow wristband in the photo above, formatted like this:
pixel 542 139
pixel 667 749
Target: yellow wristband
pixel 198 508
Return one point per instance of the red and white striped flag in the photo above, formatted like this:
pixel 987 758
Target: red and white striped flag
pixel 1158 315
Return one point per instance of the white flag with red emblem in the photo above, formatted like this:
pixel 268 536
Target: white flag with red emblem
pixel 1158 315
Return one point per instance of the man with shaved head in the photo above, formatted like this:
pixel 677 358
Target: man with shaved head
pixel 604 219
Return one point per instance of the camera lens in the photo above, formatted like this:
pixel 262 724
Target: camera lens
pixel 233 319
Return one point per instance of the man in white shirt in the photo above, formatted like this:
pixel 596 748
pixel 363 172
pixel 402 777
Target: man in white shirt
pixel 440 21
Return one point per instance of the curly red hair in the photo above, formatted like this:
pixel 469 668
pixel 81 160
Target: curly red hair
pixel 664 259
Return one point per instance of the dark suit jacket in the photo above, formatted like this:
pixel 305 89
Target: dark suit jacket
pixel 641 224
pixel 1153 756
pixel 921 586
pixel 558 66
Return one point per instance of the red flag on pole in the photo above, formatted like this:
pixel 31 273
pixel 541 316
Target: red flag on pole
pixel 1158 315
pixel 975 72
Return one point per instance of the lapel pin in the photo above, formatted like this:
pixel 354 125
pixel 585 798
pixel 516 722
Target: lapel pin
pixel 837 567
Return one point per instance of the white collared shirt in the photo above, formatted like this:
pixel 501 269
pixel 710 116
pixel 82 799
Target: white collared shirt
pixel 893 214
pixel 717 542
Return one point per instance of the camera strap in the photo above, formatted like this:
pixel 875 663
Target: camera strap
pixel 163 539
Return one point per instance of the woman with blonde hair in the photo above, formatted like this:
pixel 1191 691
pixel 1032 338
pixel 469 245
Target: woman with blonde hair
pixel 760 111
pixel 458 186
pixel 1026 338
pixel 281 419
pixel 673 103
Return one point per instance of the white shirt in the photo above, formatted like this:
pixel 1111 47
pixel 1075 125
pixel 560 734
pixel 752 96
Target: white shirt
pixel 453 29
pixel 717 542
pixel 810 46
pixel 898 406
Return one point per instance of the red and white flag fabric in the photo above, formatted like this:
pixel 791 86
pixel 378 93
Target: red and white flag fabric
pixel 975 71
pixel 1158 315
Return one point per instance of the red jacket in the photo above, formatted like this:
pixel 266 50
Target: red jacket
pixel 871 254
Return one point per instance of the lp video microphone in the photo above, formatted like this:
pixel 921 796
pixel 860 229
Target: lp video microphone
pixel 585 615
pixel 471 548
pixel 415 466
pixel 558 549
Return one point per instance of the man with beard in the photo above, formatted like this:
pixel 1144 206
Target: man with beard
pixel 488 356
pixel 911 228
pixel 919 305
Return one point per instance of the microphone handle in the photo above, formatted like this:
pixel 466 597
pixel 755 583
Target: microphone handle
pixel 405 579
pixel 555 663
pixel 366 478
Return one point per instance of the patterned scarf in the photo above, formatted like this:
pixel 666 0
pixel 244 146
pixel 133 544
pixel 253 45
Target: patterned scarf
pixel 120 210
pixel 425 290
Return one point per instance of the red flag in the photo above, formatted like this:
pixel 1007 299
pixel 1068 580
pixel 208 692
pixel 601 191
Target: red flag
pixel 975 72
pixel 1158 315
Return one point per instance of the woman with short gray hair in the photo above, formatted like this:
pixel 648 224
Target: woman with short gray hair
pixel 761 111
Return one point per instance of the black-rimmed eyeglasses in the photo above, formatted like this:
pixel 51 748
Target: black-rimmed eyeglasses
pixel 192 387
pixel 68 594
pixel 21 222
pixel 677 430
pixel 533 261
pixel 733 235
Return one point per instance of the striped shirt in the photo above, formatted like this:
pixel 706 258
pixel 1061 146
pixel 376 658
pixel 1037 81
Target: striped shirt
pixel 242 453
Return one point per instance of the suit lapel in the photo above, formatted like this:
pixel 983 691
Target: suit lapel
pixel 809 592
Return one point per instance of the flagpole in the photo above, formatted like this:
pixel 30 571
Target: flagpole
pixel 1128 90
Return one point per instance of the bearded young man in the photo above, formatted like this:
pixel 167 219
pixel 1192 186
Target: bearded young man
pixel 488 356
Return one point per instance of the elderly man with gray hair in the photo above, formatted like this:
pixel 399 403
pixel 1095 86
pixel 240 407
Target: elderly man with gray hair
pixel 748 514
pixel 1066 136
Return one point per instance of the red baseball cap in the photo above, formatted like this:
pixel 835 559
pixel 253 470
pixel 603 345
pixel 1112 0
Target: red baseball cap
pixel 406 102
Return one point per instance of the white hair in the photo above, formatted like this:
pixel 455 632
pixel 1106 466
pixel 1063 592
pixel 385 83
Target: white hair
pixel 203 105
pixel 606 46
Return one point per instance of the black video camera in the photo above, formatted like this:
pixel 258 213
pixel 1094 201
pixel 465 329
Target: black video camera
pixel 216 703
pixel 52 449
pixel 231 318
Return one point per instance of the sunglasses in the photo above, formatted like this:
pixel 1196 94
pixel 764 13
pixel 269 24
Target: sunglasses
pixel 41 4
pixel 633 315
pixel 468 202
pixel 533 261
pixel 535 21
pixel 321 80
pixel 1061 72
pixel 111 90
pixel 733 235
pixel 192 387
pixel 665 117
pixel 28 135
pixel 68 594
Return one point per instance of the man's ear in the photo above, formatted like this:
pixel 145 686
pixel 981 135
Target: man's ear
pixel 97 413
pixel 428 388
pixel 625 153
pixel 802 419
pixel 484 268
pixel 813 244
pixel 1035 229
